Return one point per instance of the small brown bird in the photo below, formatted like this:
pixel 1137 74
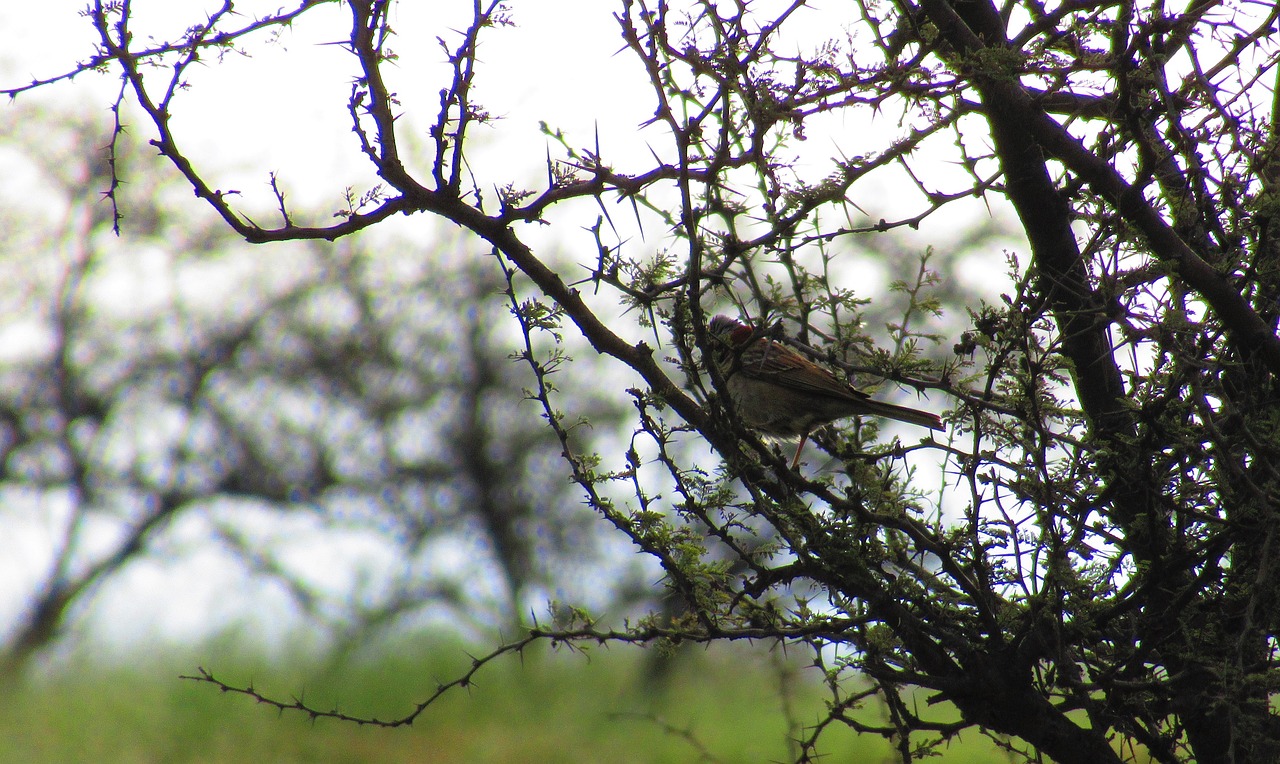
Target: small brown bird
pixel 779 392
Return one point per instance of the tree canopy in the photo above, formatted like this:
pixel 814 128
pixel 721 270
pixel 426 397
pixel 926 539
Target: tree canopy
pixel 1090 577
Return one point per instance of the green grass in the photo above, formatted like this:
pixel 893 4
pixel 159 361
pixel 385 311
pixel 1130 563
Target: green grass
pixel 548 707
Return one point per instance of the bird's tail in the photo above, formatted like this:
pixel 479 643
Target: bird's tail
pixel 903 414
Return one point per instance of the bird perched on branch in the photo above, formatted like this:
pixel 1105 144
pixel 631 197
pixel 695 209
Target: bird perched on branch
pixel 779 392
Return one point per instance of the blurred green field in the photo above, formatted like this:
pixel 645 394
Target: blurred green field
pixel 606 706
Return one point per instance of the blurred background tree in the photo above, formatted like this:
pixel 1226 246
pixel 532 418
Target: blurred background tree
pixel 165 386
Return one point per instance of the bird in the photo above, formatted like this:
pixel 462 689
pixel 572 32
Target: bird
pixel 781 393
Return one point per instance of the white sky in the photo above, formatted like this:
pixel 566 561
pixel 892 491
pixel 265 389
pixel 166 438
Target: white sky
pixel 284 108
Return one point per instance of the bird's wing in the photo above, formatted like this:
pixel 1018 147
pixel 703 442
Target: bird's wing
pixel 783 366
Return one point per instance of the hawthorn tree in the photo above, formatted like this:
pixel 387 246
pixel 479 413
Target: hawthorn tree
pixel 1091 578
